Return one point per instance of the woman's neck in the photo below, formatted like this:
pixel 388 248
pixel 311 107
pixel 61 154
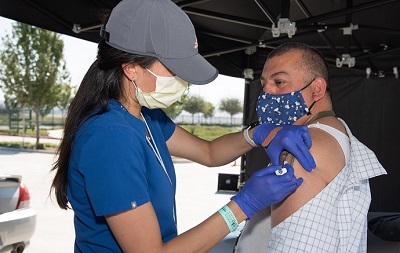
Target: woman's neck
pixel 132 106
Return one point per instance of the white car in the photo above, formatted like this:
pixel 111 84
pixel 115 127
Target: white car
pixel 17 218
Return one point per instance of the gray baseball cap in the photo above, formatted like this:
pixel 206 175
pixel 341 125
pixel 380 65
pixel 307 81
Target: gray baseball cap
pixel 159 28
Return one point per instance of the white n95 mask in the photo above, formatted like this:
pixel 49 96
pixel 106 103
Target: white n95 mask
pixel 169 89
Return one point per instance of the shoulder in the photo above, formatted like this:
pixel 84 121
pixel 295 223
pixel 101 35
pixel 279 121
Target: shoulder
pixel 329 122
pixel 326 150
pixel 324 145
pixel 159 119
pixel 154 113
pixel 157 115
pixel 111 131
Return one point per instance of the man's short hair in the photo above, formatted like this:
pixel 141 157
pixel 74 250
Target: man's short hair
pixel 313 61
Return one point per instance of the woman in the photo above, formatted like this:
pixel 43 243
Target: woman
pixel 114 166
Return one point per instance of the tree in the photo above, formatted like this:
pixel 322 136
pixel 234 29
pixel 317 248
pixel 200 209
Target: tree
pixel 195 104
pixel 45 110
pixel 10 102
pixel 209 110
pixel 32 68
pixel 176 108
pixel 64 99
pixel 232 106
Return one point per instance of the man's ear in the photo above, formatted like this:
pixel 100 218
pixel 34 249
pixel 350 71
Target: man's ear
pixel 319 88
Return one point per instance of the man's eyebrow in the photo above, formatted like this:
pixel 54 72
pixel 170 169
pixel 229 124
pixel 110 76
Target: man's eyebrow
pixel 274 75
pixel 279 73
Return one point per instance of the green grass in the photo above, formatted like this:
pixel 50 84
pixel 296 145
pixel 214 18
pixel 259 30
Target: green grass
pixel 29 132
pixel 27 145
pixel 209 132
pixel 204 132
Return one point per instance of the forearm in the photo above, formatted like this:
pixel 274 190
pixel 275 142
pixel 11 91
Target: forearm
pixel 213 153
pixel 227 148
pixel 204 236
pixel 138 231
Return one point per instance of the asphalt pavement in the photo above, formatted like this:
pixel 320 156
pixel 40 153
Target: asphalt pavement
pixel 196 198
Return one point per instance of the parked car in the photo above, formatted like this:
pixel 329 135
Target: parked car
pixel 17 218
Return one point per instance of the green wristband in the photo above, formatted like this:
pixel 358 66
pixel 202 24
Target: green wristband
pixel 229 218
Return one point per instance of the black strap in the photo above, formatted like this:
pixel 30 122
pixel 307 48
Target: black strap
pixel 254 124
pixel 321 115
pixel 104 34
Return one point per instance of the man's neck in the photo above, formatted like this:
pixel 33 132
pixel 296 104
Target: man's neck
pixel 320 106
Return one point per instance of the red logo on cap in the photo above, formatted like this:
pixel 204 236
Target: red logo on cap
pixel 196 45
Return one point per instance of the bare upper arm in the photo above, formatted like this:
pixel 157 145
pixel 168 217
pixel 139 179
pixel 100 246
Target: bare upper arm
pixel 329 158
pixel 136 230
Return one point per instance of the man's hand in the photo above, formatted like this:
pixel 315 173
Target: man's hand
pixel 294 139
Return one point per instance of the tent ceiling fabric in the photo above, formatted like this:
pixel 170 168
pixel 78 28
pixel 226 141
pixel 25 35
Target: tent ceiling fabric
pixel 235 35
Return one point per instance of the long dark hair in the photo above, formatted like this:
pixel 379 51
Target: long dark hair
pixel 102 82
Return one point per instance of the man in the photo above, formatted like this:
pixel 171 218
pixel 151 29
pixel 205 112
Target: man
pixel 328 212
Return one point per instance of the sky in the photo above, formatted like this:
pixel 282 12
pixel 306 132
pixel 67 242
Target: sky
pixel 79 55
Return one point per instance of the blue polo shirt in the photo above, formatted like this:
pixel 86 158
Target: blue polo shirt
pixel 113 168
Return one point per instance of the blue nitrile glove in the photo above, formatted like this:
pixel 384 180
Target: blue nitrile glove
pixel 295 139
pixel 266 187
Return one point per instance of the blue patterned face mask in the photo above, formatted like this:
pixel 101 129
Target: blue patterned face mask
pixel 282 109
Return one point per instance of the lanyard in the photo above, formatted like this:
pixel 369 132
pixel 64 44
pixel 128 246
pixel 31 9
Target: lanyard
pixel 150 140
